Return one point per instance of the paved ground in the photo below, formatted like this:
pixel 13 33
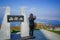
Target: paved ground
pixel 45 35
pixel 39 35
pixel 51 35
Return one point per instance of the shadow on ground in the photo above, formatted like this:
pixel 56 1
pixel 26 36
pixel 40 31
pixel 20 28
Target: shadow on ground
pixel 37 33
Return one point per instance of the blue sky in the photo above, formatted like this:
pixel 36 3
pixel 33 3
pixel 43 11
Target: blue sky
pixel 45 10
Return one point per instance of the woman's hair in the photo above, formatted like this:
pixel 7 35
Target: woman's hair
pixel 31 16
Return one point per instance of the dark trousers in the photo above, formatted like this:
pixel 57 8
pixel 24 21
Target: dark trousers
pixel 31 31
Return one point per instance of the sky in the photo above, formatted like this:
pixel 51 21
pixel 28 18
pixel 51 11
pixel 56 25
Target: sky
pixel 46 11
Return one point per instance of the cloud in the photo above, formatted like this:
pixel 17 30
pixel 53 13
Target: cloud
pixel 46 11
pixel 40 13
pixel 35 11
pixel 49 18
pixel 2 8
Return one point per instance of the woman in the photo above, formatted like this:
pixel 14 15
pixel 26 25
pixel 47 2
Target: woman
pixel 31 24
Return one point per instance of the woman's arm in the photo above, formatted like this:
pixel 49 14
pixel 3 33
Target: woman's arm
pixel 34 18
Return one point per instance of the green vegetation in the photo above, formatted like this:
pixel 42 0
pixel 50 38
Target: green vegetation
pixel 14 31
pixel 36 29
pixel 58 32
